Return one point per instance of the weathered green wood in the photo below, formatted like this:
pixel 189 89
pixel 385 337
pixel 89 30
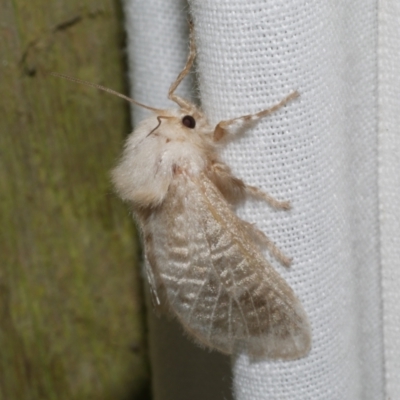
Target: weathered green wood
pixel 70 309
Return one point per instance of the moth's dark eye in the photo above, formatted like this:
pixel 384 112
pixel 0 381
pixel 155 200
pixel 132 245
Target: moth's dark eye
pixel 189 121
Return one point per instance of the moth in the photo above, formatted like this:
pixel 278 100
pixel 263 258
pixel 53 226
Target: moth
pixel 205 265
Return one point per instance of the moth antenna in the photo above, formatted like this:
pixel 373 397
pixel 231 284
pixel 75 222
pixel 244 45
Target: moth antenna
pixel 105 89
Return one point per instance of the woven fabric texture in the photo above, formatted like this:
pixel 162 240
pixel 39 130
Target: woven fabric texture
pixel 320 152
pixel 389 186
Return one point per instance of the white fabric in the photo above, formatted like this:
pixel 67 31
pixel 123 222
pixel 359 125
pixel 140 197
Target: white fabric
pixel 320 152
pixel 389 186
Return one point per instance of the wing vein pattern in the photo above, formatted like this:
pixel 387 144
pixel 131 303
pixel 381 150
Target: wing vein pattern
pixel 216 280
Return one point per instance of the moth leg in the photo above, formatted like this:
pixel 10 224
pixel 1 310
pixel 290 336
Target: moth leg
pixel 235 125
pixel 263 239
pixel 234 189
pixel 274 203
pixel 189 63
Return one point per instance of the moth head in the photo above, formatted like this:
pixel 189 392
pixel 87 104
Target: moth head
pixel 183 124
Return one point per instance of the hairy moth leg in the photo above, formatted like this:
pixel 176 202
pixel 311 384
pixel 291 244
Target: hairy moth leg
pixel 264 240
pixel 189 63
pixel 234 188
pixel 233 126
pixel 259 194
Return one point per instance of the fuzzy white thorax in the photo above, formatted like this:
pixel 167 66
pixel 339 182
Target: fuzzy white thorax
pixel 160 144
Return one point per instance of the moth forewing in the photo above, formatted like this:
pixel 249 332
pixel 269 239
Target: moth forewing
pixel 216 280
